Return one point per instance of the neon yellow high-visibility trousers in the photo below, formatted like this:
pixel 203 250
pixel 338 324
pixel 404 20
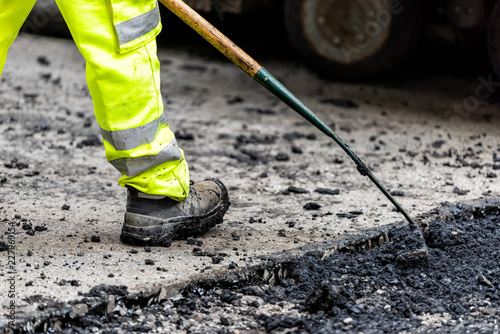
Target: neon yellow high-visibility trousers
pixel 12 16
pixel 117 38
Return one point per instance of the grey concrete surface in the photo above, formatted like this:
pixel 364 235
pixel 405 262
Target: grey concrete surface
pixel 398 130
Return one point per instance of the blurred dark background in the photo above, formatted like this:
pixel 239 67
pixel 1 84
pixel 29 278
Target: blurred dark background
pixel 451 37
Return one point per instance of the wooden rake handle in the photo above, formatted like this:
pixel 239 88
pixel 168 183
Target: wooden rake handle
pixel 213 36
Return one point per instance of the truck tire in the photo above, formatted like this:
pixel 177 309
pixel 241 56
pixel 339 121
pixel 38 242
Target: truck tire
pixel 353 39
pixel 493 38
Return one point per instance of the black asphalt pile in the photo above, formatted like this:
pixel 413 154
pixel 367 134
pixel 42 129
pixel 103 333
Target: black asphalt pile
pixel 455 290
pixel 379 291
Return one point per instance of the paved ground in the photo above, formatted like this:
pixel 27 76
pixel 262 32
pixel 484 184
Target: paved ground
pixel 51 175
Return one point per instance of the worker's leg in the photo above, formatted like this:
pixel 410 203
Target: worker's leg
pixel 117 40
pixel 12 16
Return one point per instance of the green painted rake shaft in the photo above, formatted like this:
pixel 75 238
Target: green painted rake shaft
pixel 251 67
pixel 274 86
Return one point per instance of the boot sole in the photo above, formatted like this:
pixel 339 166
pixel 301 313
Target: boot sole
pixel 144 230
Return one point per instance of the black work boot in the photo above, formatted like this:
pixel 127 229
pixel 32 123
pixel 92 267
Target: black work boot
pixel 156 220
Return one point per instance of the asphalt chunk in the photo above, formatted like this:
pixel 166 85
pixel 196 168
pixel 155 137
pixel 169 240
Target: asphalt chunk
pixel 296 190
pixel 193 241
pixel 397 193
pixel 291 136
pixel 3 246
pixel 438 143
pixel 327 191
pixel 282 157
pixel 346 215
pixel 184 135
pixel 459 191
pixel 43 60
pixel 296 149
pixel 91 140
pixel 217 259
pixel 103 290
pixel 234 100
pixel 311 206
pixel 356 212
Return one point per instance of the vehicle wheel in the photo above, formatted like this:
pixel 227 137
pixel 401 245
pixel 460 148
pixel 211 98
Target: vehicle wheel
pixel 494 38
pixel 353 39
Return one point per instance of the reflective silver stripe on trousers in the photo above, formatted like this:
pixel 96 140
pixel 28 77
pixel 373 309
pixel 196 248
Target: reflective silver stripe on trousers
pixel 129 139
pixel 135 166
pixel 138 26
